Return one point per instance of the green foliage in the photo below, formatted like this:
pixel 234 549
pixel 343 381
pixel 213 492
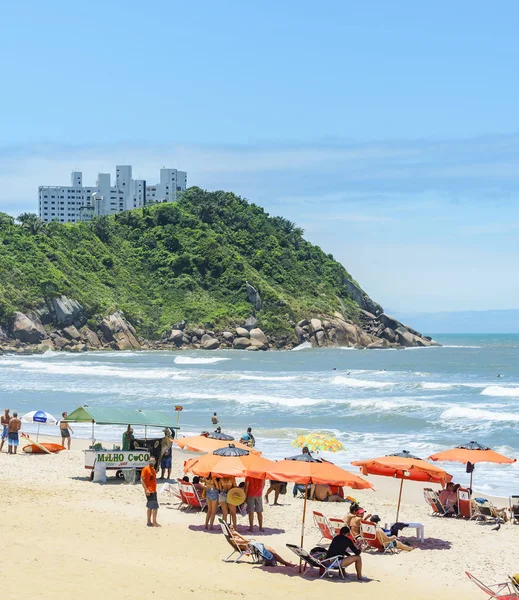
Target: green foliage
pixel 168 262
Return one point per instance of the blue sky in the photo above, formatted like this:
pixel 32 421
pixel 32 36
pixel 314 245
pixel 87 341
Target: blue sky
pixel 389 131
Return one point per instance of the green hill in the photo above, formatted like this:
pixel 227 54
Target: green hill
pixel 171 262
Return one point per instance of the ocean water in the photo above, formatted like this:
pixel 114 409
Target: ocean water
pixel 376 402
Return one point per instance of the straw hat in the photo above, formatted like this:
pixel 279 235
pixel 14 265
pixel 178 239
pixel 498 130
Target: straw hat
pixel 236 496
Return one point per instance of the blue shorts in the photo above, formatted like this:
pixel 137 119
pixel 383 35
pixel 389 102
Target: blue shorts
pixel 165 462
pixel 211 494
pixel 12 438
pixel 4 432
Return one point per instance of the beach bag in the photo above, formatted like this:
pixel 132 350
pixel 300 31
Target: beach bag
pixel 265 557
pixel 319 553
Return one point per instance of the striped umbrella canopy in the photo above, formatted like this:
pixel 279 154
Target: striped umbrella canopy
pixel 39 417
pixel 318 442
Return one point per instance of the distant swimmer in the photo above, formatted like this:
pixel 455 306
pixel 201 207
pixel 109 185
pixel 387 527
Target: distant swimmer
pixel 499 375
pixel 335 368
pixel 214 419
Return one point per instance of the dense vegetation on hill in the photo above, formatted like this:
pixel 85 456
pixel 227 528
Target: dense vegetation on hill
pixel 189 260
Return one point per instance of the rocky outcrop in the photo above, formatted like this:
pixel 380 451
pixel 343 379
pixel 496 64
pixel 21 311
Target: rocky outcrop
pixel 177 337
pixel 250 323
pixel 241 343
pixel 242 332
pixel 362 299
pixel 210 343
pixel 71 333
pixel 90 338
pixel 120 332
pixel 27 329
pixel 67 312
pixel 253 296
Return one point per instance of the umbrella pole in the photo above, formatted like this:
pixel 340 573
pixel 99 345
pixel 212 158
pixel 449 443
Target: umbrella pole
pixel 303 525
pixel 399 499
pixel 38 432
pixel 470 486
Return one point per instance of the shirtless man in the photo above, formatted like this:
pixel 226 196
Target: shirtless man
pixel 324 493
pixel 65 430
pixel 12 436
pixel 6 417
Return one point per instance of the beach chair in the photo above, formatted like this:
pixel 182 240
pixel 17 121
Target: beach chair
pixel 465 504
pixel 500 591
pixel 514 509
pixel 336 525
pixel 487 512
pixel 171 491
pixel 324 526
pixel 368 532
pixel 325 565
pixel 190 496
pixel 432 499
pixel 237 546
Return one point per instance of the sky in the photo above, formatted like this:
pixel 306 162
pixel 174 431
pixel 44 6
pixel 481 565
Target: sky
pixel 387 130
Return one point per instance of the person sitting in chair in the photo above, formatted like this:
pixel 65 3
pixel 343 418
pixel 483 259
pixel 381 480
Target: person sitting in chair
pixel 242 543
pixel 342 545
pixel 385 539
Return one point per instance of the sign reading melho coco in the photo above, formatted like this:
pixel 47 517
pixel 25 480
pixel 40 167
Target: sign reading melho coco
pixel 117 459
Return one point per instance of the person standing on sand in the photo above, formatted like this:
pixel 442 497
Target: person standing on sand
pixel 149 483
pixel 65 430
pixel 6 417
pixel 12 436
pixel 254 494
pixel 214 419
pixel 166 454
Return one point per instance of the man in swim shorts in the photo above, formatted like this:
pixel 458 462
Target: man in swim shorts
pixel 6 417
pixel 149 483
pixel 65 430
pixel 12 435
pixel 165 454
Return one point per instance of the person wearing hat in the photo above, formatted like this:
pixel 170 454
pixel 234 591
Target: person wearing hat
pixel 358 516
pixel 166 446
pixel 149 483
pixel 128 439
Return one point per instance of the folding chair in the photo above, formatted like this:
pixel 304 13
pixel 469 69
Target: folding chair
pixel 326 529
pixel 326 565
pixel 172 491
pixel 432 499
pixel 236 545
pixel 465 504
pixel 336 525
pixel 500 591
pixel 190 496
pixel 368 532
pixel 487 511
pixel 514 509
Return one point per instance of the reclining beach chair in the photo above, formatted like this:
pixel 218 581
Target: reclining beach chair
pixel 432 499
pixel 368 532
pixel 487 512
pixel 336 525
pixel 190 496
pixel 237 546
pixel 465 504
pixel 326 565
pixel 514 509
pixel 172 491
pixel 500 591
pixel 324 526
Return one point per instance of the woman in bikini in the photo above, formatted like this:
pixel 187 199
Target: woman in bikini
pixel 211 495
pixel 225 484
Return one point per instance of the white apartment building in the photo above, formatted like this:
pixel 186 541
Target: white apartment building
pixel 69 204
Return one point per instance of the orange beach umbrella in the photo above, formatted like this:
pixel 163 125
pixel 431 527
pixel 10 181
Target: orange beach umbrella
pixel 470 454
pixel 403 466
pixel 201 443
pixel 229 462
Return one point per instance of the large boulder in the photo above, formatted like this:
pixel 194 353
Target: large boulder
pixel 3 335
pixel 210 343
pixel 176 336
pixel 389 335
pixel 61 342
pixel 253 296
pixel 90 338
pixel 67 312
pixel 26 329
pixel 362 299
pixel 320 338
pixel 199 332
pixel 228 336
pixel 316 325
pixel 241 343
pixel 258 336
pixel 389 321
pixel 300 332
pixel 242 332
pixel 251 323
pixel 71 333
pixel 116 329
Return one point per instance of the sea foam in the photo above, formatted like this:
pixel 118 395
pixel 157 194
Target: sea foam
pixel 189 360
pixel 498 390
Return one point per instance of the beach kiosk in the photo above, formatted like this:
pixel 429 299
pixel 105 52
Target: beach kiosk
pixel 116 459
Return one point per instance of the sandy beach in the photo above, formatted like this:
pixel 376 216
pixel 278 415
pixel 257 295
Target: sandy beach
pixel 66 535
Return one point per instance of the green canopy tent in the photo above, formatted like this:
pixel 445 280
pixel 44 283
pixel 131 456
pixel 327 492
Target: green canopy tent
pixel 108 415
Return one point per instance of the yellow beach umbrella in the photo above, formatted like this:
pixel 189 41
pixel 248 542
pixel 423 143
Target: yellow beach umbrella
pixel 318 442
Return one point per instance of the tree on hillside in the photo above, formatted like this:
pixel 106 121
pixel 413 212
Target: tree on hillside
pixel 6 221
pixel 32 223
